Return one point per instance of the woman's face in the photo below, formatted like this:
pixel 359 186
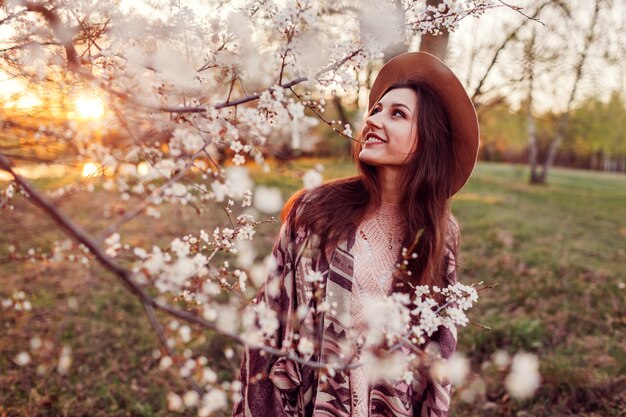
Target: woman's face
pixel 389 133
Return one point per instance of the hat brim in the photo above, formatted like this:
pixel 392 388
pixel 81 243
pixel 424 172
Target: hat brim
pixel 426 68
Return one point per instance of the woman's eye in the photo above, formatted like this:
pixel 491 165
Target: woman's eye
pixel 393 113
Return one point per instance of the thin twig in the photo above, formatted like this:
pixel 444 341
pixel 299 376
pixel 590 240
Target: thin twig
pixel 223 105
pixel 323 119
pixel 482 326
pixel 519 10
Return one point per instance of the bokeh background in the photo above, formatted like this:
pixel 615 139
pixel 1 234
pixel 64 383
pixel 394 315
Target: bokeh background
pixel 543 221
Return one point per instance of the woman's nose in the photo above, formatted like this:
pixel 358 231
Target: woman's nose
pixel 373 121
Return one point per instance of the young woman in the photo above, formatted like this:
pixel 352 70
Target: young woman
pixel 341 242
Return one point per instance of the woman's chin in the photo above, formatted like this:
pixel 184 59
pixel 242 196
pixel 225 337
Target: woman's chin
pixel 366 156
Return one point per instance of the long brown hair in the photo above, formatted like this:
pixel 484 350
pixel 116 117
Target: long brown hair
pixel 334 210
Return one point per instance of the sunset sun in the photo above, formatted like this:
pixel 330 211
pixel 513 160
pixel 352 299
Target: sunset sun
pixel 89 107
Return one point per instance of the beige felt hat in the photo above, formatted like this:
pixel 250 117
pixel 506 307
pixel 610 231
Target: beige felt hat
pixel 426 68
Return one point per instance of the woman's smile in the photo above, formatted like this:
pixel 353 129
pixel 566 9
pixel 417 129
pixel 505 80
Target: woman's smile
pixel 373 139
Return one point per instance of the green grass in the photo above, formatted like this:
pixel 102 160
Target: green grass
pixel 556 252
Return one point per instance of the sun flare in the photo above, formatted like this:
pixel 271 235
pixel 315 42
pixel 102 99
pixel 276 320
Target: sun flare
pixel 27 101
pixel 143 168
pixel 91 169
pixel 89 107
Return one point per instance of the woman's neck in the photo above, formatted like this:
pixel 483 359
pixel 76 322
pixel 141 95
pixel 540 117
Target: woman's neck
pixel 389 185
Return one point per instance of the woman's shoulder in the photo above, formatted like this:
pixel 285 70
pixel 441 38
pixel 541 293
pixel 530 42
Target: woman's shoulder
pixel 295 204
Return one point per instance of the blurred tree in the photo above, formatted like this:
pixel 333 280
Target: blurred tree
pixel 597 129
pixel 502 132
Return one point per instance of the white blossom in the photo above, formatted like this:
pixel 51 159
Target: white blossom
pixel 524 378
pixel 347 130
pixel 155 262
pixel 242 278
pixel 246 253
pixel 113 244
pixel 388 367
pixel 259 321
pixel 268 200
pixel 305 346
pixel 238 181
pixel 208 375
pixel 259 272
pixel 174 402
pixel 177 190
pixel 236 146
pixel 185 139
pixel 185 333
pixel 191 398
pixel 227 318
pixel 453 369
pixel 65 360
pixel 475 389
pixel 214 400
pixel 140 253
pixel 312 179
pixel 501 359
pixel 229 353
pixel 35 343
pixel 165 363
pixel 239 159
pixel 387 318
pixel 245 232
pixel 22 359
pixel 153 212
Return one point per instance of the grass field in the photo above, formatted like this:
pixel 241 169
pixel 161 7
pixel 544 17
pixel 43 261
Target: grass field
pixel 556 252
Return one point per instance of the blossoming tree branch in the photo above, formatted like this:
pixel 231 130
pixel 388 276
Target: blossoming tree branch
pixel 187 99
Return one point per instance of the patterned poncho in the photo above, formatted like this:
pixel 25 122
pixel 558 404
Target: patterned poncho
pixel 277 386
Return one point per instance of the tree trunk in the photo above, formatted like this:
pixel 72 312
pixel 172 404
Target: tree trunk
pixel 533 149
pixel 341 112
pixel 606 158
pixel 551 154
pixel 592 160
pixel 435 44
pixel 531 124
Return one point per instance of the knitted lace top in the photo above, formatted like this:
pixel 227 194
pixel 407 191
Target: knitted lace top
pixel 375 251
